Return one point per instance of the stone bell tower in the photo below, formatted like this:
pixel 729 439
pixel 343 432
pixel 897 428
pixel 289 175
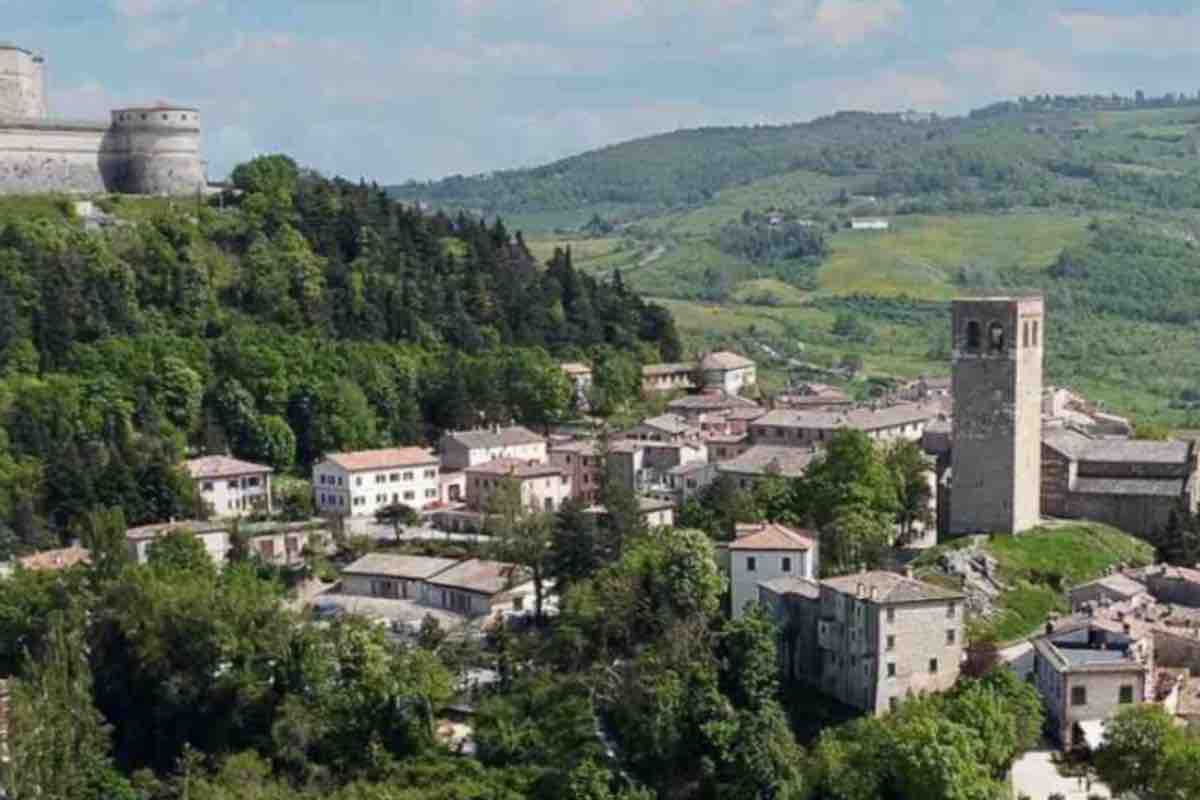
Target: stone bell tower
pixel 996 457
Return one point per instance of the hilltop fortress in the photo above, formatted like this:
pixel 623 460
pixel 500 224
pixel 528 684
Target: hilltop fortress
pixel 152 150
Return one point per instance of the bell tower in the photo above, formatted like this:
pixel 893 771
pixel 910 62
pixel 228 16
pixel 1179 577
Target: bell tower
pixel 996 457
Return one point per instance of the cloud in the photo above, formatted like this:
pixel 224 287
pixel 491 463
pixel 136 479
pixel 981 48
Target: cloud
pixel 848 22
pixel 248 48
pixel 1096 32
pixel 1007 72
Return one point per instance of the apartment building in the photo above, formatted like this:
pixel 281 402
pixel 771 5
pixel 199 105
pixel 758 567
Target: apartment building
pixel 231 488
pixel 544 487
pixel 361 483
pixel 790 427
pixel 462 449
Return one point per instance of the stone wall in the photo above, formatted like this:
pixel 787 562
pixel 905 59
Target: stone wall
pixel 68 158
pixel 997 415
pixel 1137 515
pixel 22 84
pixel 1056 482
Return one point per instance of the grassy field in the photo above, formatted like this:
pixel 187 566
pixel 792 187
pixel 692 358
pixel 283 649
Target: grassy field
pixel 1040 566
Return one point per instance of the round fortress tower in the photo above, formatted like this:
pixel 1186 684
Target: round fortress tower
pixel 22 83
pixel 162 143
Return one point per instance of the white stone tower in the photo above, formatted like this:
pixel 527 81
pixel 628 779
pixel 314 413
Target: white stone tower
pixel 996 457
pixel 22 83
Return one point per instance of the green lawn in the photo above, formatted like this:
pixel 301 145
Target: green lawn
pixel 1040 566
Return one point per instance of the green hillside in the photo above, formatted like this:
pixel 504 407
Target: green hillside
pixel 1091 200
pixel 1038 567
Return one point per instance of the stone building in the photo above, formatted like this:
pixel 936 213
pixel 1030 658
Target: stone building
pixel 997 378
pixel 462 449
pixel 869 639
pixel 727 371
pixel 802 428
pixel 1131 484
pixel 763 552
pixel 139 150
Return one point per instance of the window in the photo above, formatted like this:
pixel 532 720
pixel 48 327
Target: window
pixel 933 666
pixel 1035 333
pixel 1126 694
pixel 431 473
pixel 750 564
pixel 1079 695
pixel 252 482
pixel 1025 334
pixel 233 484
pixel 995 337
pixel 891 669
pixel 381 478
pixel 787 564
pixel 409 495
pixel 891 615
pixel 395 476
pixel 891 642
pixel 973 335
pixel 408 476
pixel 950 609
pixel 207 486
pixel 431 492
pixel 950 636
pixel 357 481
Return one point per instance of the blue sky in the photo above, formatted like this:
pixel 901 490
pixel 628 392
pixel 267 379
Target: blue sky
pixel 398 89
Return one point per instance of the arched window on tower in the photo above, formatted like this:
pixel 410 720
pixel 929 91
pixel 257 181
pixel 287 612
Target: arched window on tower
pixel 973 335
pixel 995 337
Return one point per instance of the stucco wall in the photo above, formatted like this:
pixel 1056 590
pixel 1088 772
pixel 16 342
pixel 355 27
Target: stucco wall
pixel 768 565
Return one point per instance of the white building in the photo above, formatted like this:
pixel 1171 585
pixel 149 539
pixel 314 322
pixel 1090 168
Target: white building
pixel 727 371
pixel 361 483
pixel 476 588
pixel 231 487
pixel 462 449
pixel 869 224
pixel 763 552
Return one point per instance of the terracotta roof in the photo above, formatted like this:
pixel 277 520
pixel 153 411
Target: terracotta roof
pixel 397 566
pixel 771 536
pixel 865 419
pixel 487 438
pixel 790 585
pixel 221 467
pixel 765 459
pixel 668 369
pixel 480 577
pixel 710 401
pixel 55 559
pixel 671 423
pixel 574 368
pixel 890 587
pixel 724 359
pixel 383 459
pixel 515 467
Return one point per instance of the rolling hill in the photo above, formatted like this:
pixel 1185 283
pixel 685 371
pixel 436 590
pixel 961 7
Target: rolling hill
pixel 1092 200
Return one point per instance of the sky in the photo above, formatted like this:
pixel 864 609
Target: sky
pixel 391 90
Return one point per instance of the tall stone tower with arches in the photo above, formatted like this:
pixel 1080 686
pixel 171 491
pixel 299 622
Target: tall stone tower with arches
pixel 997 435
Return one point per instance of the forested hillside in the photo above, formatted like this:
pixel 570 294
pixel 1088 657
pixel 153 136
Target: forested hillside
pixel 301 316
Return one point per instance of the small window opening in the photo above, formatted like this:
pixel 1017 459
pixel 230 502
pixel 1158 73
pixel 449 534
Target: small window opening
pixel 1025 335
pixel 1035 333
pixel 972 335
pixel 996 337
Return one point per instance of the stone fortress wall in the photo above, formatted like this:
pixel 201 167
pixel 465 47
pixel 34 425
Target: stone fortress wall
pixel 151 150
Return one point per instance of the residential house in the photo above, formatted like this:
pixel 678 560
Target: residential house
pixel 663 428
pixel 727 371
pixel 361 483
pixel 580 376
pixel 799 428
pixel 581 462
pixel 1131 484
pixel 884 637
pixel 231 487
pixel 724 447
pixel 655 512
pixel 55 560
pixel 766 461
pixel 813 396
pixel 213 535
pixel 477 588
pixel 765 551
pixel 1087 669
pixel 693 407
pixel 668 377
pixel 679 484
pixel 1114 588
pixel 542 486
pixel 393 576
pixel 462 449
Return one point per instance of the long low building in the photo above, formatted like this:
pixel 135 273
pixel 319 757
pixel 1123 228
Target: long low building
pixel 793 427
pixel 471 587
pixel 1132 484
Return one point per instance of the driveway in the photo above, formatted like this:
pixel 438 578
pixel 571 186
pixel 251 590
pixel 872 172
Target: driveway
pixel 1035 776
